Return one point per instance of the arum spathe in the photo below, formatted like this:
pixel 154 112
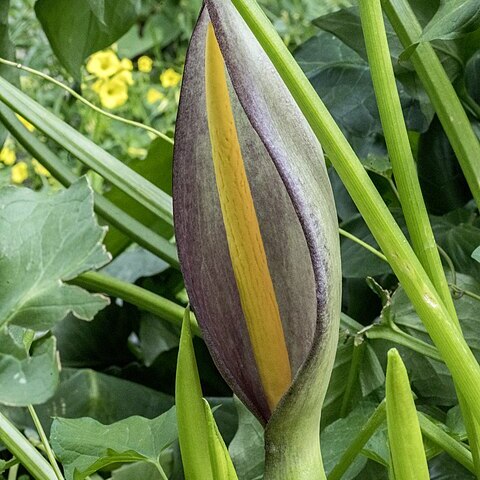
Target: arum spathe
pixel 257 235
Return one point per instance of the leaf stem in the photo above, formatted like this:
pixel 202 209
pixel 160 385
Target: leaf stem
pixel 89 104
pixel 355 447
pixel 355 364
pixel 45 442
pixel 442 439
pixel 144 299
pixel 27 455
pixel 365 245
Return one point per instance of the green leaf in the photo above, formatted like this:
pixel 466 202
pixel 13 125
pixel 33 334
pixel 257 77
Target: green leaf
pixel 453 19
pixel 443 184
pixel 456 234
pixel 476 254
pixel 346 25
pixel 341 77
pixel 247 447
pixel 445 467
pixel 46 239
pixel 191 418
pixel 28 376
pixel 77 29
pixel 133 264
pixel 117 173
pixel 333 439
pixel 84 445
pixel 404 435
pixel 156 337
pixel 86 393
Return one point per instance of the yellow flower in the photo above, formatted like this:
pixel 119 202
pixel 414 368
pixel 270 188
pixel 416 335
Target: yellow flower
pixel 26 123
pixel 170 78
pixel 40 169
pixel 125 76
pixel 145 64
pixel 7 156
pixel 19 172
pixel 97 85
pixel 103 64
pixel 137 152
pixel 126 64
pixel 113 93
pixel 154 96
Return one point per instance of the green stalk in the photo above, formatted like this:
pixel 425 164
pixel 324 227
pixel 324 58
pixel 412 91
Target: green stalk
pixel 355 447
pixel 24 451
pixel 128 225
pixel 417 285
pixel 138 296
pixel 404 169
pixel 442 439
pixel 401 338
pixel 355 364
pixel 45 442
pixel 441 92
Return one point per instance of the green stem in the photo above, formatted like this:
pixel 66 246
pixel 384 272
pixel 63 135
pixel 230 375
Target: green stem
pixel 442 439
pixel 405 264
pixel 45 442
pixel 355 364
pixel 399 337
pixel 76 95
pixel 404 167
pixel 144 299
pixel 398 145
pixel 27 455
pixel 355 447
pixel 128 225
pixel 363 244
pixel 468 293
pixel 441 92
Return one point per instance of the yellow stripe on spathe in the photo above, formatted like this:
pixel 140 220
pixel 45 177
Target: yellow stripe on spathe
pixel 244 239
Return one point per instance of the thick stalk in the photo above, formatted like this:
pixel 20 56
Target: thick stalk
pixel 144 299
pixel 441 92
pixel 404 168
pixel 24 451
pixel 417 285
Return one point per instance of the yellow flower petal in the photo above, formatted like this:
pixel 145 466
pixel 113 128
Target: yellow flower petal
pixel 125 76
pixel 170 78
pixel 137 152
pixel 103 64
pixel 113 93
pixel 19 172
pixel 154 96
pixel 7 156
pixel 126 64
pixel 145 64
